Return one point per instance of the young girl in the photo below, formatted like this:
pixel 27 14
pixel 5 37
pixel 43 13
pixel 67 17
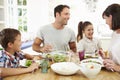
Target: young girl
pixel 85 39
pixel 10 40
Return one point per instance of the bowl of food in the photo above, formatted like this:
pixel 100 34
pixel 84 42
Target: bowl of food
pixel 65 68
pixel 57 56
pixel 90 69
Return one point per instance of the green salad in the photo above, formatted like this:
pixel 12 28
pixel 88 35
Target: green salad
pixel 28 63
pixel 59 57
pixel 56 57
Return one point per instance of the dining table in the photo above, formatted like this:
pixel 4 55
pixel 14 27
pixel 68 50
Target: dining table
pixel 104 74
pixel 50 75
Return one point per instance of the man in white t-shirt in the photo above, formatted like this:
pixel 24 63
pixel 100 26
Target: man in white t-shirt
pixel 56 36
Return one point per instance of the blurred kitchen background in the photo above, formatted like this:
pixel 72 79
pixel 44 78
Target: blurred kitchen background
pixel 28 15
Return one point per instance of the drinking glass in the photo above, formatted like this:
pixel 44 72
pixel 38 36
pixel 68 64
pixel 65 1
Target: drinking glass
pixel 81 55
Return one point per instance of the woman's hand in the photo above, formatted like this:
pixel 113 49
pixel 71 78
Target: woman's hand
pixel 110 65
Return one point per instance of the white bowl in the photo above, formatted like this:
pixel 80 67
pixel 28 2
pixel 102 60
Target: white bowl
pixel 65 68
pixel 90 70
pixel 93 60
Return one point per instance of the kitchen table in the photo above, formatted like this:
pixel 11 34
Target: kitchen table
pixel 37 75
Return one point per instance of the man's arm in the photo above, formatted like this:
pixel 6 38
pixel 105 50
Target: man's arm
pixel 72 46
pixel 36 44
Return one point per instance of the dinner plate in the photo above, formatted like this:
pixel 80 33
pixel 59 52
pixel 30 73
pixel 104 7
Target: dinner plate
pixel 65 68
pixel 23 63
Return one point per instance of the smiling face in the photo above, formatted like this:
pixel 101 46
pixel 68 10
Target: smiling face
pixel 64 16
pixel 88 31
pixel 15 46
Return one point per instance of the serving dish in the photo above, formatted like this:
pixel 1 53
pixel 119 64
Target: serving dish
pixel 65 68
pixel 90 69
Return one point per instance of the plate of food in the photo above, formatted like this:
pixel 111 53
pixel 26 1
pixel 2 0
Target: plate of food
pixel 26 63
pixel 92 55
pixel 57 56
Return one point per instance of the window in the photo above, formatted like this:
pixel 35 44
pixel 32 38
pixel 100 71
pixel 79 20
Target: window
pixel 22 15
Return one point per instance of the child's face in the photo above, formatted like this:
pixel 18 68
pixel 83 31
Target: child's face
pixel 17 43
pixel 89 31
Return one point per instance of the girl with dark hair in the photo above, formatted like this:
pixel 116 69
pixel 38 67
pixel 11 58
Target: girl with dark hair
pixel 112 17
pixel 86 41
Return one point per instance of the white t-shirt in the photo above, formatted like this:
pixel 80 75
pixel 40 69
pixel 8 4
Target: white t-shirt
pixel 114 48
pixel 89 46
pixel 59 39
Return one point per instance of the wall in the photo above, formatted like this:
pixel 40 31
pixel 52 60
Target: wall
pixel 37 14
pixel 80 12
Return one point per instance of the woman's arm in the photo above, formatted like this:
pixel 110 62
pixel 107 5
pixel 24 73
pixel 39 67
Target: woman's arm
pixel 117 68
pixel 110 65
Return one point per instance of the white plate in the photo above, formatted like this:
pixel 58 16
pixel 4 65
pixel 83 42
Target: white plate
pixel 65 68
pixel 23 62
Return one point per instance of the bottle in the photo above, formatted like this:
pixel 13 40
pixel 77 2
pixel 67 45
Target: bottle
pixel 44 66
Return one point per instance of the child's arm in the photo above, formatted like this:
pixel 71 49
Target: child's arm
pixel 16 71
